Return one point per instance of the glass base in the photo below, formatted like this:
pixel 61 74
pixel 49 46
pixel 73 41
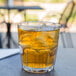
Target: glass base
pixel 38 70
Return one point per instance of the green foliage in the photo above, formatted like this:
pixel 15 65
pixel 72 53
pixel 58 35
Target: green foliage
pixel 31 17
pixel 57 1
pixel 2 1
pixel 47 1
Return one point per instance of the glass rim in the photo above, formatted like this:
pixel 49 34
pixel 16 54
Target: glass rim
pixel 39 25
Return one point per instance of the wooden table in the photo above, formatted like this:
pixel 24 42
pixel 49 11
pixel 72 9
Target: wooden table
pixel 65 64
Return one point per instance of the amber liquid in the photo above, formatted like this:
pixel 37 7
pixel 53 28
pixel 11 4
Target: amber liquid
pixel 39 47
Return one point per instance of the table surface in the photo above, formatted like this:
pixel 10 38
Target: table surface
pixel 65 65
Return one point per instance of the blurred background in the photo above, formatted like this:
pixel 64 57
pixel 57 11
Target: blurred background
pixel 12 12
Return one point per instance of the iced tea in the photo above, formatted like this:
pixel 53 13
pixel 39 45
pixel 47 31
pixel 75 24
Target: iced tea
pixel 39 47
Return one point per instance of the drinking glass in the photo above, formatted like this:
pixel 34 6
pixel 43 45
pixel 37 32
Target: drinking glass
pixel 39 42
